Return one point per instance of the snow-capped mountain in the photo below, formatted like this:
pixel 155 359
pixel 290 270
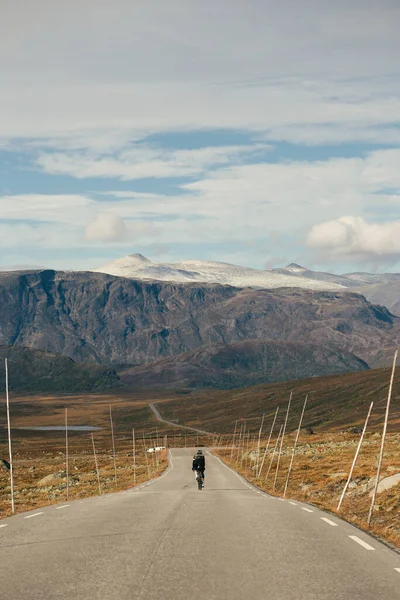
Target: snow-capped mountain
pixel 189 271
pixel 381 288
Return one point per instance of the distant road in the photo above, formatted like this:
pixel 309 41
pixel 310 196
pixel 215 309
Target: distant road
pixel 159 418
pixel 168 541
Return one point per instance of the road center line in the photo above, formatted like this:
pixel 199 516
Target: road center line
pixel 35 515
pixel 64 506
pixel 306 509
pixel 293 503
pixel 329 522
pixel 3 526
pixel 361 542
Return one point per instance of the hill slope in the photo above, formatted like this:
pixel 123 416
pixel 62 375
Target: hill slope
pixel 335 402
pixel 241 363
pixel 37 371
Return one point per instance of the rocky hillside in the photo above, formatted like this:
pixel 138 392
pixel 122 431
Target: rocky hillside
pixel 37 371
pixel 92 317
pixel 242 363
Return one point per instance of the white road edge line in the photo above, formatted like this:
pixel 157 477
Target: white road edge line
pixel 306 509
pixel 35 515
pixel 3 526
pixel 293 503
pixel 64 506
pixel 397 569
pixel 361 542
pixel 329 522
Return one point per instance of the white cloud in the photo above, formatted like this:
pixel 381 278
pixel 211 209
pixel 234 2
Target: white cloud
pixel 106 227
pixel 126 68
pixel 110 227
pixel 52 208
pixel 355 238
pixel 276 203
pixel 145 162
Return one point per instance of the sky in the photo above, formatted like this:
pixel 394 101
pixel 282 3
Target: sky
pixel 253 132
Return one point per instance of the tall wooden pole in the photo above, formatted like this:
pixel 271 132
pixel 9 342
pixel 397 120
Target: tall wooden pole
pixel 355 458
pixel 283 437
pixel 259 441
pixel 383 439
pixel 66 450
pixel 9 440
pixel 113 447
pixel 97 467
pixel 233 440
pixel 274 452
pixel 267 446
pixel 295 446
pixel 134 456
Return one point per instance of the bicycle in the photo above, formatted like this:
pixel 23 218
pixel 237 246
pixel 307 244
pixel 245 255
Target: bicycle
pixel 199 479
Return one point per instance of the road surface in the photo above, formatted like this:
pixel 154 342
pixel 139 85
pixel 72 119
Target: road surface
pixel 159 418
pixel 168 541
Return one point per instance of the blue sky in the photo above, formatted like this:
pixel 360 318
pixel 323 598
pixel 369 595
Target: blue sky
pixel 247 132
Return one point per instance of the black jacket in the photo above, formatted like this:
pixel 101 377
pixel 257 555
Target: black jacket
pixel 199 462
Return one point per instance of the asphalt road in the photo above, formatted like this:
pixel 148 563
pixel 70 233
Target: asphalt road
pixel 156 412
pixel 168 541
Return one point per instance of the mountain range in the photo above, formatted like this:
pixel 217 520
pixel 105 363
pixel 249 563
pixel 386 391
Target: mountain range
pixel 377 288
pixel 33 370
pixel 207 334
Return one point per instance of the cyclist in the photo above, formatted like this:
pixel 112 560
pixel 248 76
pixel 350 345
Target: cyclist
pixel 199 463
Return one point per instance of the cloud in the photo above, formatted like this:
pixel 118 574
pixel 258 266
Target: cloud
pixel 354 238
pixel 106 227
pixel 110 227
pixel 122 69
pixel 143 161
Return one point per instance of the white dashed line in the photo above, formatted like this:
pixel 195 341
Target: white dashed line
pixel 306 509
pixel 35 515
pixel 329 522
pixel 293 503
pixel 3 526
pixel 361 542
pixel 397 569
pixel 64 506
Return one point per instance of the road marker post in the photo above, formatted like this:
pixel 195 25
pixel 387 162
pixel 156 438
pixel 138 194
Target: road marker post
pixel 146 457
pixel 9 439
pixel 233 440
pixel 283 437
pixel 113 447
pixel 383 439
pixel 259 442
pixel 273 453
pixel 355 459
pixel 66 450
pixel 97 467
pixel 267 446
pixel 134 456
pixel 294 447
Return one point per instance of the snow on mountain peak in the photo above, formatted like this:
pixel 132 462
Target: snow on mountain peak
pixel 139 258
pixel 137 266
pixel 294 268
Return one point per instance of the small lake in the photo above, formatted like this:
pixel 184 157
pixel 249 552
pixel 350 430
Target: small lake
pixel 60 428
